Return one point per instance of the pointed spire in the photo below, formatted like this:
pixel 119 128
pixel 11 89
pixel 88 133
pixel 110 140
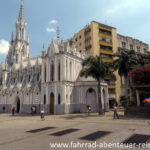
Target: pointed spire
pixel 43 46
pixel 12 36
pixel 21 12
pixel 43 50
pixel 58 34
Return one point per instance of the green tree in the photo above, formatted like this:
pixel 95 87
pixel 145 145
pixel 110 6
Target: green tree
pixel 145 58
pixel 96 68
pixel 124 61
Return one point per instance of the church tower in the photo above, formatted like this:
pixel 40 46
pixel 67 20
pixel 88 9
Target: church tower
pixel 19 46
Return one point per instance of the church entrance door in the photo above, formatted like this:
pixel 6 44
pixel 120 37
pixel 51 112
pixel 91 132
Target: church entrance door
pixel 18 105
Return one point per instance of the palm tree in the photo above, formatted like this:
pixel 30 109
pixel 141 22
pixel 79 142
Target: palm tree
pixel 124 61
pixel 96 68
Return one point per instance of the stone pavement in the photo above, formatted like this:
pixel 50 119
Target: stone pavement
pixel 13 135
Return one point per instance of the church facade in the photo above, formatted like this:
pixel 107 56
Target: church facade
pixel 50 81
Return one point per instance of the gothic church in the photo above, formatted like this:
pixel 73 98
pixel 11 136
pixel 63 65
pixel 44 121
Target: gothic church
pixel 51 80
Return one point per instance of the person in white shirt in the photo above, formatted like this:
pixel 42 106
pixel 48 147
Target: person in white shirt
pixel 42 114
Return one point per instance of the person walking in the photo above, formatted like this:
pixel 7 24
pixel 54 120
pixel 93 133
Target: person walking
pixel 88 109
pixel 13 111
pixel 116 116
pixel 42 114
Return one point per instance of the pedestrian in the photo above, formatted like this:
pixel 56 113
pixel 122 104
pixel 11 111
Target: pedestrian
pixel 13 111
pixel 116 116
pixel 42 114
pixel 33 110
pixel 88 109
pixel 3 109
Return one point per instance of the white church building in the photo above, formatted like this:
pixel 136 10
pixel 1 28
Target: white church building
pixel 51 80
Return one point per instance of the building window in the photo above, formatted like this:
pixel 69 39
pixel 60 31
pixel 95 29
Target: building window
pixel 80 37
pixel 106 47
pixel 44 99
pixel 131 47
pixel 138 49
pixel 87 39
pixel 45 73
pixel 106 39
pixel 144 50
pixel 23 50
pixel 59 71
pixel 76 39
pixel 59 99
pixel 52 71
pixel 70 71
pixel 105 31
pixel 123 44
pixel 88 47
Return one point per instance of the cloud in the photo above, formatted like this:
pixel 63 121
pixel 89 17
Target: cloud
pixel 50 29
pixel 4 47
pixel 53 22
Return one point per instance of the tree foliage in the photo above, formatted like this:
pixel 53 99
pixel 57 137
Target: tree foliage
pixel 125 61
pixel 140 75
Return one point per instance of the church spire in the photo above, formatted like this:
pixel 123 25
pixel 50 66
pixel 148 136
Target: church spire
pixel 58 34
pixel 19 48
pixel 21 12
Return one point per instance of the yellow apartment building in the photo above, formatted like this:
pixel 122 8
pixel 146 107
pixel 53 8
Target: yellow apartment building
pixel 95 39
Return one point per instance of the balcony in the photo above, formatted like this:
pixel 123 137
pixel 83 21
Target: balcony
pixel 105 43
pixel 105 35
pixel 110 52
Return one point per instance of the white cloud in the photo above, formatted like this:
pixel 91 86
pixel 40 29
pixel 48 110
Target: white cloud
pixel 50 29
pixel 53 22
pixel 4 47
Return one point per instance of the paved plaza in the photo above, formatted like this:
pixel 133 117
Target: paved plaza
pixel 30 133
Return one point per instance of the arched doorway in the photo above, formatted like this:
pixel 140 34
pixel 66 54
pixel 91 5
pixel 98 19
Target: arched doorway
pixel 91 99
pixel 17 105
pixel 52 103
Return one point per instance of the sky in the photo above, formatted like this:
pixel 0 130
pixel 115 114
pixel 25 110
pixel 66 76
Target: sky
pixel 130 17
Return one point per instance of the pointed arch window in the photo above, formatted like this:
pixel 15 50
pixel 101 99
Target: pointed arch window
pixel 23 50
pixel 45 73
pixel 59 71
pixel 70 70
pixel 59 99
pixel 52 71
pixel 44 99
pixel 22 34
